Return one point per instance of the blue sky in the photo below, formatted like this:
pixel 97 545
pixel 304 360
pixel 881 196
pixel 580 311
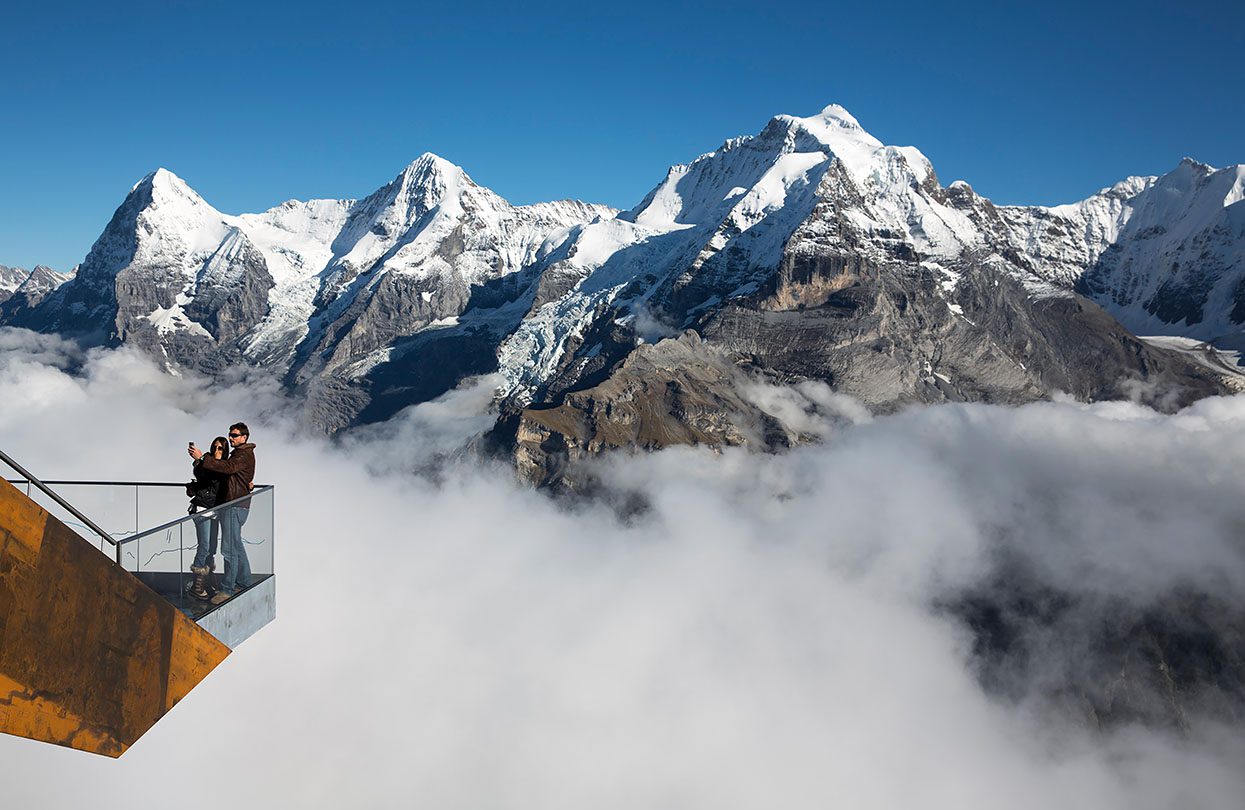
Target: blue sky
pixel 256 103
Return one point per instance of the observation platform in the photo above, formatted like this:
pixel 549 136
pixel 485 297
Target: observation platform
pixel 98 635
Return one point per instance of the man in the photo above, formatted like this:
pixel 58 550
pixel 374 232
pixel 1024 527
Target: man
pixel 240 471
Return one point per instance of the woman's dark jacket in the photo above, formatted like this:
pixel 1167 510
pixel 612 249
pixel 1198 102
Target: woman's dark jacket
pixel 208 488
pixel 238 469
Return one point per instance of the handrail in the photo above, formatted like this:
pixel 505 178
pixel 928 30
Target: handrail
pixel 112 483
pixel 177 484
pixel 172 523
pixel 86 521
pixel 80 483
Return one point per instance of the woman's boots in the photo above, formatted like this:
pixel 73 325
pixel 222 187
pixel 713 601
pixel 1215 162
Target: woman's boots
pixel 199 588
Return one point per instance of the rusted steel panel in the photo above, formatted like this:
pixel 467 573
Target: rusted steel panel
pixel 90 658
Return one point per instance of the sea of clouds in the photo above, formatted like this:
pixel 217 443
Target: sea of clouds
pixel 764 632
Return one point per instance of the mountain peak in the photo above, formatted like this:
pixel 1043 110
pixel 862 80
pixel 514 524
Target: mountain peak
pixel 426 181
pixel 833 131
pixel 430 168
pixel 431 159
pixel 839 115
pixel 834 127
pixel 1223 187
pixel 162 189
pixel 161 178
pixel 836 132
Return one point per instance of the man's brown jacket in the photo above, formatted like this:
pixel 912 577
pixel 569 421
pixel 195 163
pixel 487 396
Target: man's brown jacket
pixel 240 467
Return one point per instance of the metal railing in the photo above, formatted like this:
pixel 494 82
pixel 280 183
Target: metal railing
pixel 260 495
pixel 68 507
pixel 152 501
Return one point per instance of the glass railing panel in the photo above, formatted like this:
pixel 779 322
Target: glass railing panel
pixel 109 507
pixel 163 550
pixel 121 509
pixel 156 505
pixel 258 534
pixel 166 557
pixel 159 550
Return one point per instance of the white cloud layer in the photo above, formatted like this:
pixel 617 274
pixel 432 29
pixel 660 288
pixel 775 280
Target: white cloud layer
pixel 762 636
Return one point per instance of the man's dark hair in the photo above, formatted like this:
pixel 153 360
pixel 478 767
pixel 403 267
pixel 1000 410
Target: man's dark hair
pixel 241 428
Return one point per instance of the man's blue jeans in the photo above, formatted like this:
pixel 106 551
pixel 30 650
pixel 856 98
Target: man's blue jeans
pixel 237 567
pixel 208 530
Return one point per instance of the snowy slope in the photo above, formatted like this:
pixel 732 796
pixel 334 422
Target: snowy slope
pixel 713 228
pixel 10 279
pixel 414 252
pixel 1178 263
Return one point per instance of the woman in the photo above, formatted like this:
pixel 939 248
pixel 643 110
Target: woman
pixel 207 491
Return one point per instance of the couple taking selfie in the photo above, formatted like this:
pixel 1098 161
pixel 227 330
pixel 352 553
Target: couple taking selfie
pixel 222 475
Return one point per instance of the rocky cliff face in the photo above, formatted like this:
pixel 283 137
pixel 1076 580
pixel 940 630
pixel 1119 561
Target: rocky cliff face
pixel 888 334
pixel 810 251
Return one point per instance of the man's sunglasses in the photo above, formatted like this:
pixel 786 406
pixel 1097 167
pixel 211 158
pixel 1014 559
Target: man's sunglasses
pixel 234 435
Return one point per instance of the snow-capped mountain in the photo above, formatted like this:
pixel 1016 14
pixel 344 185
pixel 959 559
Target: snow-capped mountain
pixel 1177 264
pixel 702 235
pixel 316 283
pixel 808 251
pixel 716 229
pixel 1165 255
pixel 814 251
pixel 30 286
pixel 414 254
pixel 10 279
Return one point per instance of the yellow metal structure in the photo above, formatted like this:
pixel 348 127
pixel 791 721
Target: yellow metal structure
pixel 90 657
